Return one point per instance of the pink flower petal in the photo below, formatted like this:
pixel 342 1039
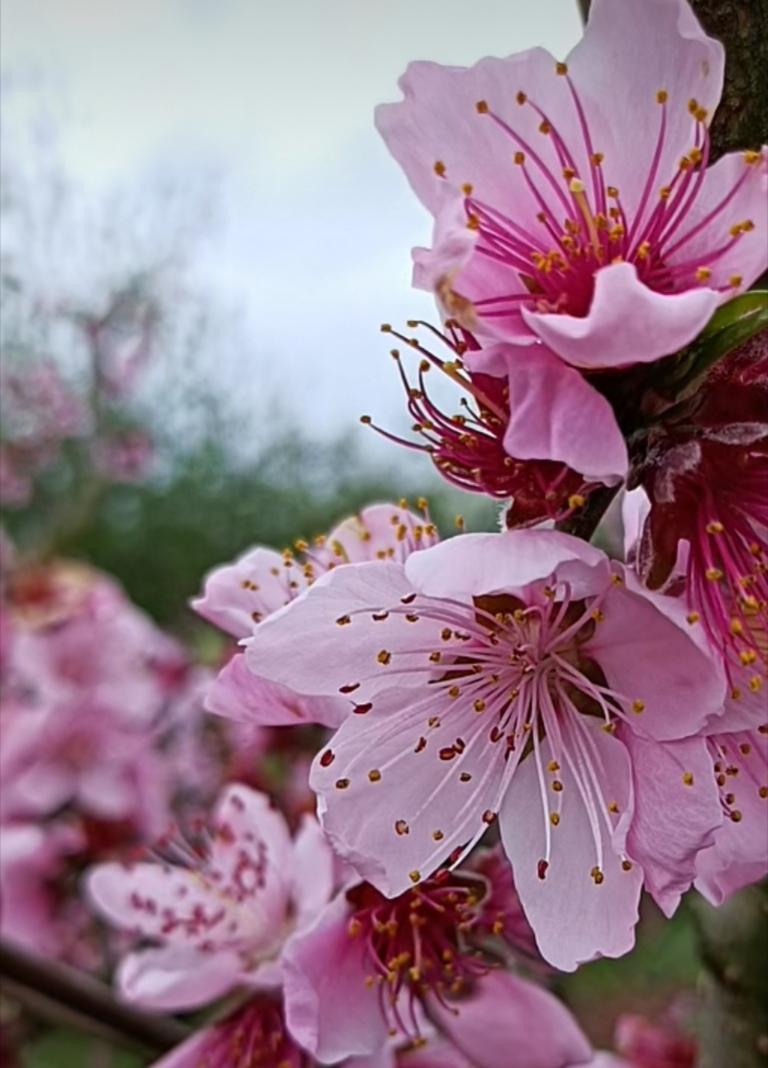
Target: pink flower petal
pixel 475 564
pixel 650 655
pixel 237 693
pixel 313 871
pixel 177 978
pixel 627 322
pixel 574 918
pixel 510 1023
pixel 705 228
pixel 677 811
pixel 558 415
pixel 332 653
pixel 390 803
pixel 627 54
pixel 237 595
pixel 328 1006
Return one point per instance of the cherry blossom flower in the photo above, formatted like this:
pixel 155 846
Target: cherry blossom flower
pixel 500 675
pixel 517 436
pixel 372 966
pixel 574 202
pixel 654 1044
pixel 220 911
pixel 239 596
pixel 705 475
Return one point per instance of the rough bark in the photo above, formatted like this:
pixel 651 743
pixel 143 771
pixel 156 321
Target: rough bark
pixel 733 1018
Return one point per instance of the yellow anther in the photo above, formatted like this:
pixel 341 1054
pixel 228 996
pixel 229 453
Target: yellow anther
pixel 735 281
pixel 736 627
pixel 751 157
pixel 414 876
pixel 553 766
pixel 598 615
pixel 342 784
pixel 561 68
pixel 693 105
pixel 715 527
pixel 576 500
pixel 473 222
pixel 576 185
pixel 519 158
pixel 756 683
pixel 688 778
pixel 612 191
pixel 662 96
pixel 557 786
pixel 638 706
pixel 459 521
pixel 613 807
pixel 544 127
pixel 643 249
pixel 597 876
pixel 554 818
pixel 713 574
pixel 701 114
pixel 479 705
pixel 597 158
pixel 703 274
pixel 374 775
pixel 481 107
pixel 354 928
pixel 747 657
pixel 467 189
pixel 384 656
pixel 664 192
pixel 521 97
pixel 626 865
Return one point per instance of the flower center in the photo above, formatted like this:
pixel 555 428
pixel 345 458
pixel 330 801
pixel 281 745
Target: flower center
pixel 581 223
pixel 254 1037
pixel 416 945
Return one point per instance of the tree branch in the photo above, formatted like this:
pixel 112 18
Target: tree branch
pixel 85 999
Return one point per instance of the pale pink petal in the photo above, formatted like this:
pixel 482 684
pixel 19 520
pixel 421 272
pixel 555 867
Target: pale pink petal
pixel 237 693
pixel 329 1008
pixel 739 855
pixel 474 564
pixel 677 811
pixel 574 918
pixel 627 322
pixel 246 823
pixel 135 897
pixel 313 871
pixel 391 804
pixel 510 1023
pixel 330 653
pixel 179 978
pixel 650 656
pixel 557 415
pixel 380 532
pixel 238 595
pixel 421 130
pixel 635 509
pixel 629 52
pixel 704 229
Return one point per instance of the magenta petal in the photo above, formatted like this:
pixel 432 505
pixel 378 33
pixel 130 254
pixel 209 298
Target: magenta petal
pixel 677 811
pixel 475 564
pixel 627 322
pixel 329 1009
pixel 510 1023
pixel 558 415
pixel 239 694
pixel 574 919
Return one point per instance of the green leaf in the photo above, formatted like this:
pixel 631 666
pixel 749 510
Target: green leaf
pixel 731 326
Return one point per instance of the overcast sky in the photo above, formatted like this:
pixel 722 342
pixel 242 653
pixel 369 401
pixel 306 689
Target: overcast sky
pixel 277 99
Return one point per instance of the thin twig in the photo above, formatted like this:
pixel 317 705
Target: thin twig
pixel 90 1002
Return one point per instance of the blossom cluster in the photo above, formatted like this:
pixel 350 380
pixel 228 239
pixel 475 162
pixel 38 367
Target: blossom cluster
pixel 513 735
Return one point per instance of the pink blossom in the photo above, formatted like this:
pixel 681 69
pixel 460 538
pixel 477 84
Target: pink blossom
pixel 530 429
pixel 573 202
pixel 499 675
pixel 239 596
pixel 219 912
pixel 32 858
pixel 372 966
pixel 648 1044
pixel 706 513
